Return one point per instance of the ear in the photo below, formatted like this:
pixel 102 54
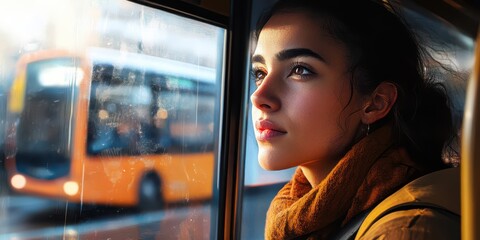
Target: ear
pixel 380 102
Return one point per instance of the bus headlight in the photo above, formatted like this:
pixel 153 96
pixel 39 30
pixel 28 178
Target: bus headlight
pixel 18 181
pixel 71 234
pixel 70 188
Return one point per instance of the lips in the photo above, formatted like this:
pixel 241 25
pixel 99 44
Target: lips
pixel 267 130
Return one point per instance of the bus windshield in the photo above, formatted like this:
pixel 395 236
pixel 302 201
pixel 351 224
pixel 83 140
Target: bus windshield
pixel 44 125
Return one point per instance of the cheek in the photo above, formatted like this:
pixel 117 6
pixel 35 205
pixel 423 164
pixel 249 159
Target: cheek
pixel 320 108
pixel 323 120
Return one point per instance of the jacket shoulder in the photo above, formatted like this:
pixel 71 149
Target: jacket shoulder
pixel 425 206
pixel 421 223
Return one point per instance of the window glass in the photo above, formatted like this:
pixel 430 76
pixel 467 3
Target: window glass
pixel 446 43
pixel 109 121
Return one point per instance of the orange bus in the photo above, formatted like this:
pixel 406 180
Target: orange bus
pixel 111 127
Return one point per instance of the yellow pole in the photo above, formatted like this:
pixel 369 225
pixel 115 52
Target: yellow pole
pixel 470 162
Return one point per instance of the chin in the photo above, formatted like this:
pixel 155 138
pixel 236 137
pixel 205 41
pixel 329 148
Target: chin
pixel 264 165
pixel 270 164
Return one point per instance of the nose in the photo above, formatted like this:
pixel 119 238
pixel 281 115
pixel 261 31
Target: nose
pixel 267 96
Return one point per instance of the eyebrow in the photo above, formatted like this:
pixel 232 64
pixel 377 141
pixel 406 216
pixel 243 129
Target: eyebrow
pixel 289 54
pixel 258 59
pixel 298 52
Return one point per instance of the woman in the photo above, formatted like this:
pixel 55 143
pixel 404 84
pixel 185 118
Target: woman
pixel 342 95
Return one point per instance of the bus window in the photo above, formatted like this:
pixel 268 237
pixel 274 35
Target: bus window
pixel 153 112
pixel 447 44
pixel 111 121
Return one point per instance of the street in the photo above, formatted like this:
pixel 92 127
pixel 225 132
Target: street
pixel 31 218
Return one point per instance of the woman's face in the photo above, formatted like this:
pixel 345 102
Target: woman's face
pixel 301 109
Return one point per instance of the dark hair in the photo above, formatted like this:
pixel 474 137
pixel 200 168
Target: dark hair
pixel 382 48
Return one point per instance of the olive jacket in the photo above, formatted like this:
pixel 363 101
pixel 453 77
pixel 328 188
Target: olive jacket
pixel 426 208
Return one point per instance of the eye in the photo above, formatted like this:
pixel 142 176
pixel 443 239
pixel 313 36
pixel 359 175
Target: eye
pixel 301 71
pixel 258 75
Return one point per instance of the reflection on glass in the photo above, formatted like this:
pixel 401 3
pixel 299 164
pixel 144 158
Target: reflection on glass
pixel 110 122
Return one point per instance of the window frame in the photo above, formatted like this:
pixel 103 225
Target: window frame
pixel 227 199
pixel 231 131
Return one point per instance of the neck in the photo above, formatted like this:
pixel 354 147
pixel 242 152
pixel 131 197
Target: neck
pixel 316 171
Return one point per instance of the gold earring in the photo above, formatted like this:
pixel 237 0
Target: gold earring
pixel 368 129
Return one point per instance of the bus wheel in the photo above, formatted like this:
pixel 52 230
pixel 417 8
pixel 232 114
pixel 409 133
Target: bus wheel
pixel 150 194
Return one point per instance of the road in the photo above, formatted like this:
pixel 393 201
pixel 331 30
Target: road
pixel 30 218
pixel 33 218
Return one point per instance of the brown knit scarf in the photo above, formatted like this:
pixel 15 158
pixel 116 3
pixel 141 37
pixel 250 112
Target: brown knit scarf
pixel 368 173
